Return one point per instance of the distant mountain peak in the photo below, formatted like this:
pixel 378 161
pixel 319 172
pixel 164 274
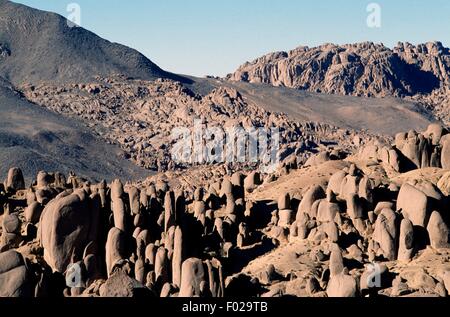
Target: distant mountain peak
pixel 361 69
pixel 41 46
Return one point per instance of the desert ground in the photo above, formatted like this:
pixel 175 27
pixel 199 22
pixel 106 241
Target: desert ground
pixel 354 203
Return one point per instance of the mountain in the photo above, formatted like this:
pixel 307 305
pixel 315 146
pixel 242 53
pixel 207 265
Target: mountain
pixel 378 115
pixel 35 139
pixel 40 46
pixel 364 69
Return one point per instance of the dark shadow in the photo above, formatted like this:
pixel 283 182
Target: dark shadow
pixel 239 258
pixel 352 264
pixel 421 238
pixel 347 240
pixel 244 286
pixel 262 214
pixel 383 194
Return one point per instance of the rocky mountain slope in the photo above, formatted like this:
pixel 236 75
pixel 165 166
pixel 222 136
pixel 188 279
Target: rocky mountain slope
pixel 364 69
pixel 387 115
pixel 36 139
pixel 141 115
pixel 420 73
pixel 40 46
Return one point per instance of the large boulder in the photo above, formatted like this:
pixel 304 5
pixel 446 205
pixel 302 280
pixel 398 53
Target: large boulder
pixel 11 237
pixel 115 248
pixel 355 208
pixel 15 180
pixel 33 212
pixel 14 275
pixel 438 231
pixel 335 182
pixel 445 154
pixel 350 184
pixel 435 131
pixel 313 194
pixel 192 277
pixel 178 255
pixel 119 213
pixel 65 228
pixel 411 149
pixel 444 184
pixel 342 285
pixel 414 205
pixel 385 234
pixel 406 241
pixel 336 261
pixel 252 181
pixel 327 211
pixel 134 196
pixel 120 284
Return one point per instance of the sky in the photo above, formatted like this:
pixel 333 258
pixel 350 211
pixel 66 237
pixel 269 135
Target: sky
pixel 212 37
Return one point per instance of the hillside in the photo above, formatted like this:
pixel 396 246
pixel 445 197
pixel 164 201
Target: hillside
pixel 363 69
pixel 39 46
pixel 35 139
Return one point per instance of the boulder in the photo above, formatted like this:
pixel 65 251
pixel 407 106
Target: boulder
pixel 435 131
pixel 438 231
pixel 14 275
pixel 286 217
pixel 335 182
pixel 350 184
pixel 11 224
pixel 328 208
pixel 252 181
pixel 336 261
pixel 192 276
pixel 33 212
pixel 134 197
pixel 15 180
pixel 169 210
pixel 139 270
pixel 342 285
pixel 355 208
pixel 385 234
pixel 65 228
pixel 444 184
pixel 445 154
pixel 177 258
pixel 42 180
pixel 116 189
pixel 115 249
pixel 121 285
pixel 119 213
pixel 313 194
pixel 162 266
pixel 406 241
pixel 284 201
pixel 414 205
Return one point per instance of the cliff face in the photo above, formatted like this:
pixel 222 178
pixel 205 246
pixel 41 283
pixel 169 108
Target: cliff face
pixel 364 69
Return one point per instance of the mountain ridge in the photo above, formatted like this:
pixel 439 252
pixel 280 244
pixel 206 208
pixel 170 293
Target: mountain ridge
pixel 361 69
pixel 76 54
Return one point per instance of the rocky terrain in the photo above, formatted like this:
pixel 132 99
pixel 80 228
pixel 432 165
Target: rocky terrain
pixel 365 69
pixel 95 204
pixel 141 115
pixel 35 139
pixel 372 224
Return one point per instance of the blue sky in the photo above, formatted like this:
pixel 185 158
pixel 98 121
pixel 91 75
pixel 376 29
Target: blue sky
pixel 211 37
